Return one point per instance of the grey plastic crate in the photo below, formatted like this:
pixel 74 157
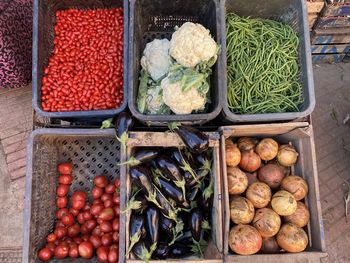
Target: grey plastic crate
pixel 43 28
pixel 292 12
pixel 150 19
pixel 91 151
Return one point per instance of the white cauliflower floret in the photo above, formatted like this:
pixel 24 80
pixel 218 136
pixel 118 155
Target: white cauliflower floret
pixel 154 100
pixel 181 102
pixel 156 59
pixel 192 44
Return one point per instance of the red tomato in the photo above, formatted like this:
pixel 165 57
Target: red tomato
pixel 106 214
pixel 87 215
pixel 45 254
pixel 61 212
pixel 95 241
pixel 117 183
pixel 97 201
pixel 73 251
pixel 73 211
pixel 68 219
pixel 110 189
pixel 106 227
pixel 101 181
pixel 108 203
pixel 102 254
pixel 115 224
pixel 51 238
pixel 90 224
pixel 96 192
pixel 113 255
pixel 97 232
pixel 65 168
pixel 78 200
pixel 73 230
pixel 65 179
pixel 80 218
pixel 86 249
pixel 61 202
pixel 116 199
pixel 106 239
pixel 51 246
pixel 61 251
pixel 60 232
pixel 96 209
pixel 87 207
pixel 62 190
pixel 78 240
pixel 105 197
pixel 115 236
pixel 116 210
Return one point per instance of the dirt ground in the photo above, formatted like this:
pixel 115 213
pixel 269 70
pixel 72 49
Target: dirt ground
pixel 332 138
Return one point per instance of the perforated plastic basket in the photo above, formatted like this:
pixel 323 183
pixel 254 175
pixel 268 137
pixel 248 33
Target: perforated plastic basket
pixel 150 19
pixel 92 152
pixel 43 28
pixel 293 13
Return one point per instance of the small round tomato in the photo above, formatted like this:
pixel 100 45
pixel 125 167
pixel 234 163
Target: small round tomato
pixel 73 251
pixel 113 255
pixel 96 192
pixel 117 183
pixel 102 253
pixel 115 224
pixel 61 212
pixel 62 190
pixel 80 218
pixel 106 196
pixel 51 246
pixel 101 181
pixel 61 202
pixel 107 239
pixel 45 254
pixel 87 215
pixel 68 219
pixel 51 238
pixel 61 251
pixel 108 203
pixel 95 241
pixel 73 230
pixel 60 232
pixel 96 209
pixel 110 189
pixel 73 211
pixel 65 179
pixel 86 249
pixel 65 168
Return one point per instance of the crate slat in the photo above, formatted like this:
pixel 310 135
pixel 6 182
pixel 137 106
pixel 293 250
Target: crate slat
pixel 328 58
pixel 330 49
pixel 330 39
pixel 333 22
pixel 314 7
pixel 337 10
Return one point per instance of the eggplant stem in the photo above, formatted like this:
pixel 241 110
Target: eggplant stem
pixel 177 232
pixel 123 139
pixel 133 240
pixel 198 247
pixel 152 198
pixel 208 191
pixel 107 123
pixel 146 255
pixel 172 126
pixel 187 168
pixel 182 185
pixel 132 205
pixel 131 162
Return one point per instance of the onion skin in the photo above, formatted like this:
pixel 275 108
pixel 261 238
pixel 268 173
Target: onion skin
pixel 296 185
pixel 287 155
pixel 267 222
pixel 259 194
pixel 284 203
pixel 246 143
pixel 237 180
pixel 301 216
pixel 267 149
pixel 250 161
pixel 271 174
pixel 233 154
pixel 241 210
pixel 270 246
pixel 244 240
pixel 292 239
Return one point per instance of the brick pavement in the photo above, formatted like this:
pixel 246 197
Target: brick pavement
pixel 332 85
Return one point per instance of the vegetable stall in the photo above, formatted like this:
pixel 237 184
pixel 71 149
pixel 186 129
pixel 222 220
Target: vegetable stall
pixel 150 167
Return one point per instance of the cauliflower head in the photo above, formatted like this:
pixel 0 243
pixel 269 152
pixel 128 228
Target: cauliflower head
pixel 155 103
pixel 192 44
pixel 156 59
pixel 181 102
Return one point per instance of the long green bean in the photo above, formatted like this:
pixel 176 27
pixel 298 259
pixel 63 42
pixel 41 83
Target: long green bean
pixel 262 66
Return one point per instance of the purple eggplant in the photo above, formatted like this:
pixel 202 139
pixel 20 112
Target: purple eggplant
pixel 142 250
pixel 162 251
pixel 142 155
pixel 137 230
pixel 166 225
pixel 179 250
pixel 152 224
pixel 196 224
pixel 137 202
pixel 173 192
pixel 123 124
pixel 196 141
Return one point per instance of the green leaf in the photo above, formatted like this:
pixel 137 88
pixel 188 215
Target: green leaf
pixel 107 123
pixel 142 92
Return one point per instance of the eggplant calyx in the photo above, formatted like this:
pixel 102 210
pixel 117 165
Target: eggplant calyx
pixel 131 162
pixel 173 126
pixel 132 205
pixel 177 232
pixel 106 124
pixel 198 247
pixel 133 240
pixel 187 168
pixel 152 198
pixel 145 255
pixel 208 191
pixel 153 247
pixel 182 184
pixel 123 139
pixel 206 225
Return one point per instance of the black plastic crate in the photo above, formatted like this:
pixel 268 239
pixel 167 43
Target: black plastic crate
pixel 43 35
pixel 150 19
pixel 293 13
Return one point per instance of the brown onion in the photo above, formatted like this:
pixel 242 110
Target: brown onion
pixel 270 246
pixel 271 174
pixel 267 149
pixel 287 155
pixel 284 203
pixel 250 161
pixel 237 180
pixel 259 194
pixel 233 154
pixel 241 210
pixel 301 216
pixel 246 143
pixel 296 185
pixel 244 240
pixel 292 238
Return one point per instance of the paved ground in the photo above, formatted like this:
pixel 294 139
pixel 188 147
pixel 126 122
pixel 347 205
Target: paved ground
pixel 332 83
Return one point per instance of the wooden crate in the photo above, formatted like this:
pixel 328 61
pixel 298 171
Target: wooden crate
pixel 301 136
pixel 314 9
pixel 213 254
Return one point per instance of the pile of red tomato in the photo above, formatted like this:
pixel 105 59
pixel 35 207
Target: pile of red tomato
pixel 82 228
pixel 85 70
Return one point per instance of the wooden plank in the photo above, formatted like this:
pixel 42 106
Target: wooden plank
pixel 331 31
pixel 213 253
pixel 330 39
pixel 333 22
pixel 301 136
pixel 328 58
pixel 337 10
pixel 330 49
pixel 312 19
pixel 314 7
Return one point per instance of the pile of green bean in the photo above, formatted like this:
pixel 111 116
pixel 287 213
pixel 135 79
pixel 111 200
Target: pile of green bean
pixel 262 66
